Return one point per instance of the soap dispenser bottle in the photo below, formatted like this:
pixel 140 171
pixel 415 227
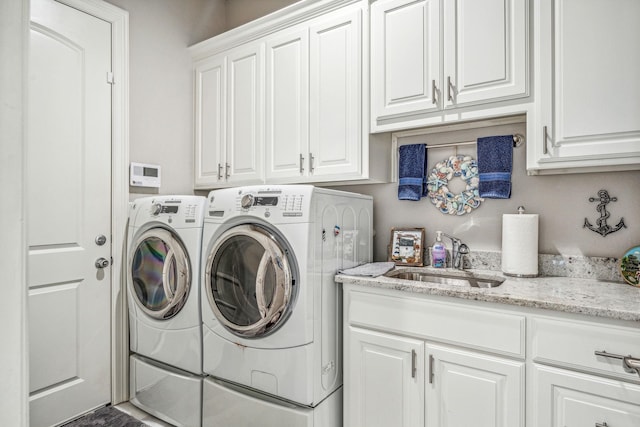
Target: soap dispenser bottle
pixel 438 252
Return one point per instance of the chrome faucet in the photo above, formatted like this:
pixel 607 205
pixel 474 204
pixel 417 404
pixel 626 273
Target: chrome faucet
pixel 458 250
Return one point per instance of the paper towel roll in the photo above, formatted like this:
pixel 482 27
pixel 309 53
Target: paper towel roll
pixel 520 245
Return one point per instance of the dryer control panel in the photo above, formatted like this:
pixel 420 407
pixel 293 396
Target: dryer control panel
pixel 186 211
pixel 269 202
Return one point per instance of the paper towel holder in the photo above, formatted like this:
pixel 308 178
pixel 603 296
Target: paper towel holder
pixel 521 210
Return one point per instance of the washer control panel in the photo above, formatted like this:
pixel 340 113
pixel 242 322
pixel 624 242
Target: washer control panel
pixel 268 202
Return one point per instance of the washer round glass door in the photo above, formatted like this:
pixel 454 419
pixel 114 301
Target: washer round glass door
pixel 248 281
pixel 160 273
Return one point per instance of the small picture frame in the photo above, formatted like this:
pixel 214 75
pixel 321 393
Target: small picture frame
pixel 406 246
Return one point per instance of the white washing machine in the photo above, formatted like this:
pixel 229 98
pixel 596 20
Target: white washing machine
pixel 165 325
pixel 271 310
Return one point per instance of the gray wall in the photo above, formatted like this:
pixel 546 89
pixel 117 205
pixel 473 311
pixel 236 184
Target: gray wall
pixel 242 11
pixel 562 201
pixel 161 83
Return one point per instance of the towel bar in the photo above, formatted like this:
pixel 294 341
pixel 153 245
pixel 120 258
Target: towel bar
pixel 518 141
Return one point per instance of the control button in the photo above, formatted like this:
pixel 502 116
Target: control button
pixel 267 214
pixel 247 201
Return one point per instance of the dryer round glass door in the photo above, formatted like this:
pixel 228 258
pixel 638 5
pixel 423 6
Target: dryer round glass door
pixel 248 281
pixel 160 275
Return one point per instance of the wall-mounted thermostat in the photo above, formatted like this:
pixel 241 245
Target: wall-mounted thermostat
pixel 144 175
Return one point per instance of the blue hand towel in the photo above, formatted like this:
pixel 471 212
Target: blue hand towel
pixel 412 183
pixel 495 161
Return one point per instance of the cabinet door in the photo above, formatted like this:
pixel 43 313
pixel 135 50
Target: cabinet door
pixel 384 380
pixel 287 105
pixel 472 389
pixel 336 95
pixel 405 57
pixel 245 114
pixel 587 76
pixel 485 51
pixel 210 113
pixel 569 399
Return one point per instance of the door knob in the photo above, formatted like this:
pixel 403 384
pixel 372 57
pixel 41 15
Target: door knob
pixel 102 263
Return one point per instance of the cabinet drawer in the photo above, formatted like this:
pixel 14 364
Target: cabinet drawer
pixel 573 344
pixel 484 329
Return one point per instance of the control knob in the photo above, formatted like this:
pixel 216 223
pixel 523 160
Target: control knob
pixel 156 209
pixel 247 201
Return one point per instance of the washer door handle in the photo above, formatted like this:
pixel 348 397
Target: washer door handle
pixel 102 263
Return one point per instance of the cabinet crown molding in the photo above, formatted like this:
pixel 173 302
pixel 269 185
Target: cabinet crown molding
pixel 281 19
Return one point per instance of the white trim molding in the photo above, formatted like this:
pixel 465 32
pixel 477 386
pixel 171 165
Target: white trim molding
pixel 119 20
pixel 14 362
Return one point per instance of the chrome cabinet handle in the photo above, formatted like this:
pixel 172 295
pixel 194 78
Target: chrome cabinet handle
pixel 102 263
pixel 629 364
pixel 602 425
pixel 449 87
pixel 544 140
pixel 311 161
pixel 219 172
pixel 413 363
pixel 301 163
pixel 226 170
pixel 434 93
pixel 431 360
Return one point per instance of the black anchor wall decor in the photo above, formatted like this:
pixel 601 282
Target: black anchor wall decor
pixel 603 228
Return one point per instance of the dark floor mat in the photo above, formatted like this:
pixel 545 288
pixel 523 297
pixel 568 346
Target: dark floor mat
pixel 107 416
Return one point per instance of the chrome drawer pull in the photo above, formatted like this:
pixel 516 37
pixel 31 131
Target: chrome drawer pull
pixel 602 425
pixel 629 364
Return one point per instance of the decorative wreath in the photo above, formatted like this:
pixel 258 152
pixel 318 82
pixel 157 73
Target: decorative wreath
pixel 464 167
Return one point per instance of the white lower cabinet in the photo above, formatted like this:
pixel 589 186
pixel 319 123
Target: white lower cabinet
pixel 571 399
pixel 415 360
pixel 466 388
pixel 403 378
pixel 387 382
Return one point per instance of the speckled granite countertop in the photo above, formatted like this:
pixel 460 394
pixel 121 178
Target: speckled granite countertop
pixel 591 297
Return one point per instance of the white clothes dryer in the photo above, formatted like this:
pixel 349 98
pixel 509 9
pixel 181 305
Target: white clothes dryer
pixel 270 306
pixel 163 288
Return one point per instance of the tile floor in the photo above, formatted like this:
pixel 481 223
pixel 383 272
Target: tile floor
pixel 139 414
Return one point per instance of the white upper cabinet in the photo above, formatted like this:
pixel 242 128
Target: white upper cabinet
pixel 444 60
pixel 485 51
pixel 210 116
pixel 287 106
pixel 587 115
pixel 229 118
pixel 245 115
pixel 336 134
pixel 405 57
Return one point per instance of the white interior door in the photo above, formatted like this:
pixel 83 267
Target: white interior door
pixel 69 191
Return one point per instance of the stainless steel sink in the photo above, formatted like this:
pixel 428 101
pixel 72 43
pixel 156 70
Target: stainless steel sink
pixel 469 280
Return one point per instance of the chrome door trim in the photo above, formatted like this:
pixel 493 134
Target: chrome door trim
pixel 271 316
pixel 177 253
